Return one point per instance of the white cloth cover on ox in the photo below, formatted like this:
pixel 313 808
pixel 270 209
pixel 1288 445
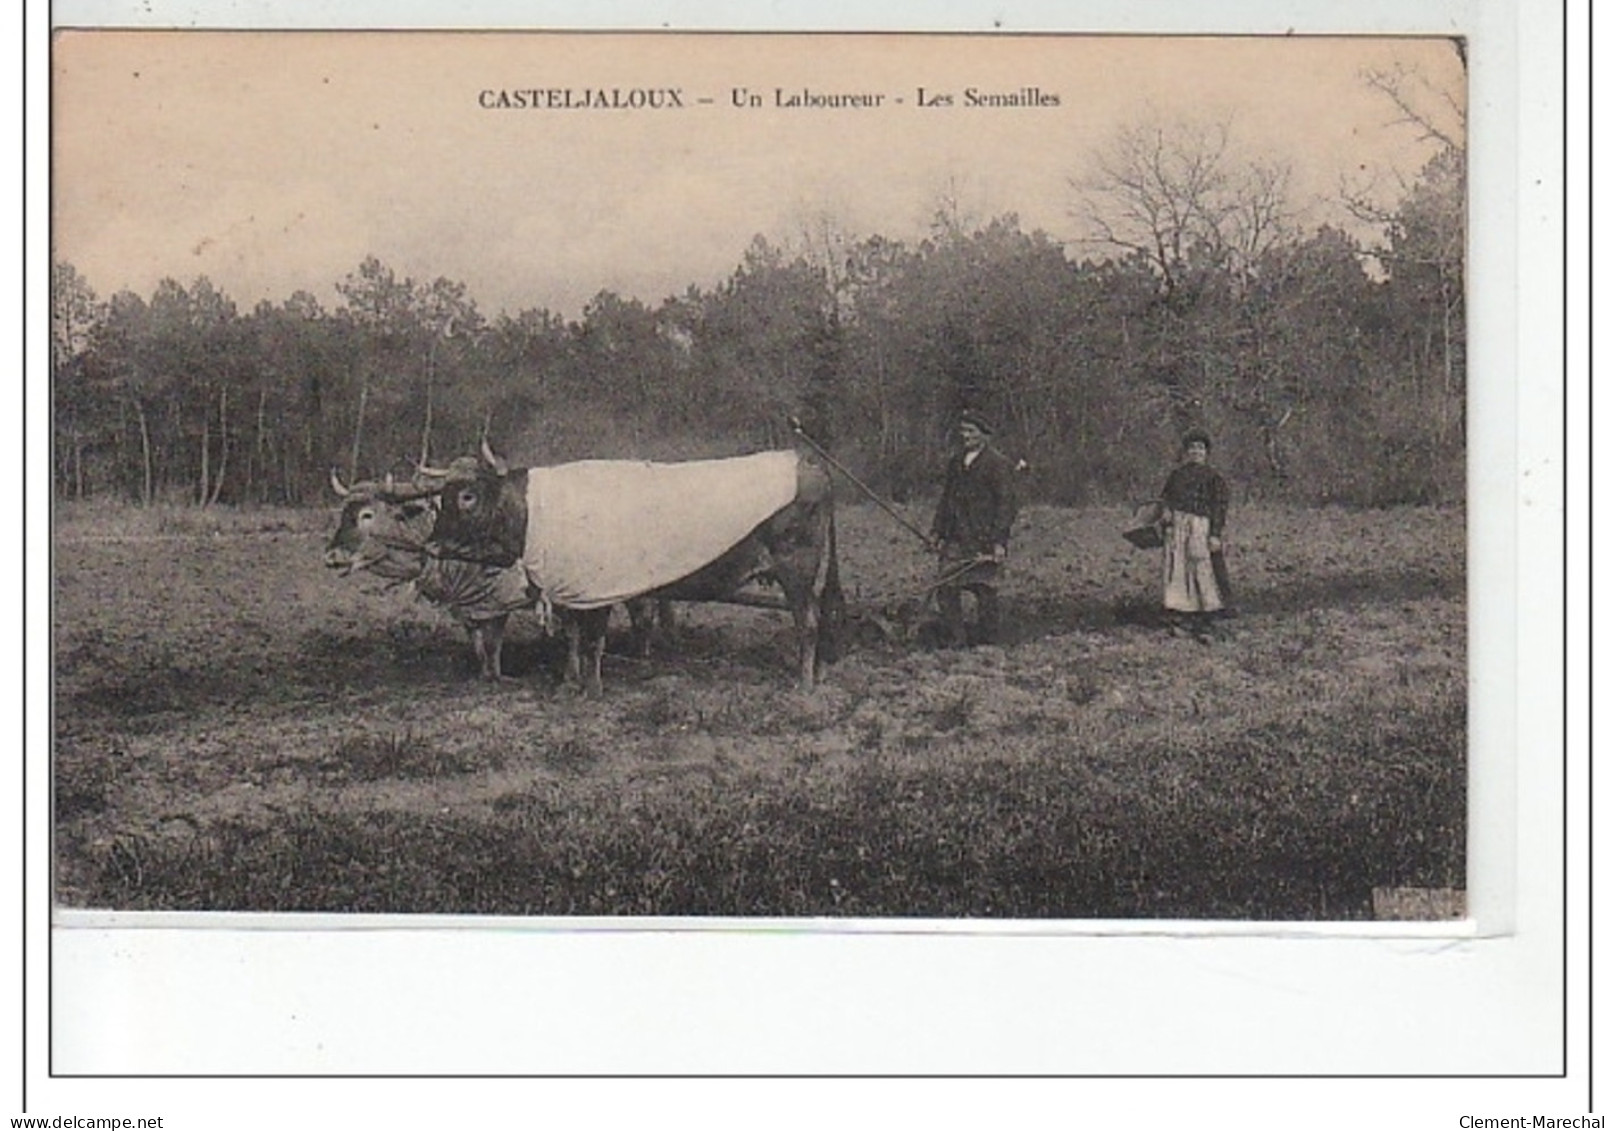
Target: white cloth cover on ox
pixel 602 531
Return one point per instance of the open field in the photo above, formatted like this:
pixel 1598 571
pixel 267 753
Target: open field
pixel 238 729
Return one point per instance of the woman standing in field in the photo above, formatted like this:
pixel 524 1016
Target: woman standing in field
pixel 1195 575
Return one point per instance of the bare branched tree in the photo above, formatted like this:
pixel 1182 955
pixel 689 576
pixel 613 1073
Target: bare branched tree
pixel 1424 225
pixel 1175 193
pixel 825 242
pixel 952 214
pixel 1433 112
pixel 1260 214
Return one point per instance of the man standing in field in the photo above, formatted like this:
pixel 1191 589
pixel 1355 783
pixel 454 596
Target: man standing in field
pixel 971 532
pixel 1195 575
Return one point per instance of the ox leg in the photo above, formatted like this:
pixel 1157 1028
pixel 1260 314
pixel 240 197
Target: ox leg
pixel 814 597
pixel 487 641
pixel 805 612
pixel 574 664
pixel 593 624
pixel 493 643
pixel 812 584
pixel 641 615
pixel 595 630
pixel 586 628
pixel 653 621
pixel 832 622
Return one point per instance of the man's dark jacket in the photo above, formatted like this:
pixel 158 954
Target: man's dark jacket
pixel 978 503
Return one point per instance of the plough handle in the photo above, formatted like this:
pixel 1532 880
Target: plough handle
pixel 796 427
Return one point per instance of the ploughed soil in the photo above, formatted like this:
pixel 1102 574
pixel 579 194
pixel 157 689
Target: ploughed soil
pixel 237 728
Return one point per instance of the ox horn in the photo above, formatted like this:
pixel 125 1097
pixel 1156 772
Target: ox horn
pixel 336 485
pixel 432 472
pixel 500 466
pixel 395 492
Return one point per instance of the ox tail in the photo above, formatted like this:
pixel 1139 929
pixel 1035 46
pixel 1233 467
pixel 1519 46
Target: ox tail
pixel 832 601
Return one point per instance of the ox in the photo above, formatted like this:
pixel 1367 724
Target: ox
pixel 384 529
pixel 596 532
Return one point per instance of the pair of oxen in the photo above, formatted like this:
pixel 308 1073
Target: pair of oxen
pixel 483 540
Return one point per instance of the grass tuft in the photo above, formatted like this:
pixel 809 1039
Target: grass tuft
pixel 399 754
pixel 569 756
pixel 84 780
pixel 955 714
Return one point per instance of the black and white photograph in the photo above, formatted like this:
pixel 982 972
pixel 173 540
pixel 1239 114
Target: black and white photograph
pixel 835 477
pixel 949 565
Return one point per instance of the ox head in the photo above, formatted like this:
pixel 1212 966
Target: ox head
pixel 483 510
pixel 383 529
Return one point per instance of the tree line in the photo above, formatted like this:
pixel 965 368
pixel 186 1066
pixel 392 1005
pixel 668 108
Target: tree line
pixel 1329 366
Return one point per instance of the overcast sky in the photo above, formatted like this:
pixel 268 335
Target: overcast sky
pixel 274 162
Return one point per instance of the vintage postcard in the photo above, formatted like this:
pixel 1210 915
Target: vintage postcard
pixel 838 477
pixel 673 553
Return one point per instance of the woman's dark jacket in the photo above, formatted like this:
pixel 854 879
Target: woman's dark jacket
pixel 1196 489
